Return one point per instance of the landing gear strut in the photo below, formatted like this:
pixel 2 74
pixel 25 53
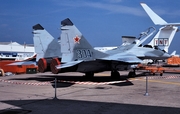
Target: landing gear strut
pixel 115 74
pixel 132 73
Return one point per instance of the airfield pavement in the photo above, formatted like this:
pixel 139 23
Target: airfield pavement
pixel 35 94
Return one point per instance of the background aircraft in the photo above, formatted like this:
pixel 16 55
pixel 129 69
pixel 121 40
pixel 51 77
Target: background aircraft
pixel 162 40
pixel 166 33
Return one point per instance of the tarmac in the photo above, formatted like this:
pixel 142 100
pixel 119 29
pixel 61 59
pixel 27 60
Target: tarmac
pixel 75 94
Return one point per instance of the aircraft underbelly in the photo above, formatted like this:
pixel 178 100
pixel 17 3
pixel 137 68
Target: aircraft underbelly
pixel 120 66
pixel 93 66
pixel 99 66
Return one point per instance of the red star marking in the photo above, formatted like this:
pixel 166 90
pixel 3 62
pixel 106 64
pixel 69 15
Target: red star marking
pixel 77 39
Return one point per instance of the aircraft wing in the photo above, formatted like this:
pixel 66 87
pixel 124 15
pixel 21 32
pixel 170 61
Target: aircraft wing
pixel 123 58
pixel 68 64
pixel 23 63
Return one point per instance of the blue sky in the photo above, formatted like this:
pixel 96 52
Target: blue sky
pixel 102 22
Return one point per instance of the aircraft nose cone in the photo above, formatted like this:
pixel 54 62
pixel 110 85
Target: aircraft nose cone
pixel 166 55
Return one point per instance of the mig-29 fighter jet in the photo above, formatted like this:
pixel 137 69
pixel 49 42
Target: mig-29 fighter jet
pixel 80 56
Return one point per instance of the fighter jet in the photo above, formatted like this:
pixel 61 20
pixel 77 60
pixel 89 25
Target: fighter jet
pixel 47 48
pixel 144 51
pixel 80 56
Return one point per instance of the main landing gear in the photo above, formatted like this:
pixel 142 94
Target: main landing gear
pixel 115 74
pixel 132 74
pixel 89 74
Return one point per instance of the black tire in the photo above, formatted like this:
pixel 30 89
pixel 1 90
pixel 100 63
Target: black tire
pixel 115 75
pixel 161 74
pixel 89 74
pixel 132 74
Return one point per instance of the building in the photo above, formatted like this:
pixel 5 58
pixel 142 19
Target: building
pixel 16 51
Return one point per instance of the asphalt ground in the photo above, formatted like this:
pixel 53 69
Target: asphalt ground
pixel 75 94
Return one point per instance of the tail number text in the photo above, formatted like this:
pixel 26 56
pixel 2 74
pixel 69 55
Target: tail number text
pixel 83 53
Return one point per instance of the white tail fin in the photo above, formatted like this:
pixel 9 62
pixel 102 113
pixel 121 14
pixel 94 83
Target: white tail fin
pixel 73 44
pixel 164 37
pixel 157 20
pixel 154 17
pixel 45 45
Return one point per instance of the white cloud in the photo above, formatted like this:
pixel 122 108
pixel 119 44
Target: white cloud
pixel 113 8
pixel 110 7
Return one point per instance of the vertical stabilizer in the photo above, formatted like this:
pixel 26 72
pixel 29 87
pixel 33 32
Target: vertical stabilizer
pixel 154 17
pixel 74 46
pixel 164 37
pixel 45 45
